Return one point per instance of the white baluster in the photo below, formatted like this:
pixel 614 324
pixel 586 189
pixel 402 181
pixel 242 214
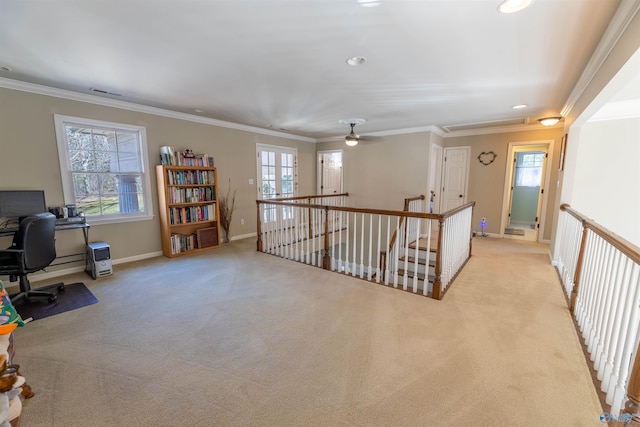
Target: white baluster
pixel 405 254
pixel 354 267
pixel 369 266
pixel 362 248
pixel 378 270
pixel 347 266
pixel 387 261
pixel 395 255
pixel 417 256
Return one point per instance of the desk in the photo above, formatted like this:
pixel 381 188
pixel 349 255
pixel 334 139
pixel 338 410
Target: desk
pixel 61 225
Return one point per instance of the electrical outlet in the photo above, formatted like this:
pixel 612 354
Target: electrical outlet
pixel 250 181
pixel 242 221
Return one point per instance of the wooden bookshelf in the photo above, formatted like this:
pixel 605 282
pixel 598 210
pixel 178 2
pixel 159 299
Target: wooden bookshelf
pixel 189 212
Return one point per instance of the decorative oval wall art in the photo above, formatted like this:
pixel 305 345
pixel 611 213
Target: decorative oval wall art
pixel 486 158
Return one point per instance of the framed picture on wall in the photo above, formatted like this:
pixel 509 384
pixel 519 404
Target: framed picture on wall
pixel 563 151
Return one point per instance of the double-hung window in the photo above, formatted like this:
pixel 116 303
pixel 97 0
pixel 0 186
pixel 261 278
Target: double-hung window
pixel 105 170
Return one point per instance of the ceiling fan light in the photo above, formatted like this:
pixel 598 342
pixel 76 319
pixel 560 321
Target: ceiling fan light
pixel 549 121
pixel 510 6
pixel 351 140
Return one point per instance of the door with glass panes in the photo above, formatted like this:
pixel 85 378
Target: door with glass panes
pixel 277 172
pixel 277 177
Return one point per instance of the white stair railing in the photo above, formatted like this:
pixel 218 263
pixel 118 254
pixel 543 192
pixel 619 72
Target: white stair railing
pixel 351 241
pixel 600 273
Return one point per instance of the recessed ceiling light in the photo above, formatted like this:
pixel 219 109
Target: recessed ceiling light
pixel 519 106
pixel 510 6
pixel 198 110
pixel 356 60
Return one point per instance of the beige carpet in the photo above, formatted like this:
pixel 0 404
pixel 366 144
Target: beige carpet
pixel 238 338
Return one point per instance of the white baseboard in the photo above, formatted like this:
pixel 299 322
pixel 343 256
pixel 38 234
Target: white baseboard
pixel 47 275
pixel 244 236
pixel 136 258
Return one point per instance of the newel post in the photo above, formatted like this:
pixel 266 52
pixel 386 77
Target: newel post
pixel 632 406
pixel 437 281
pixel 578 273
pixel 259 228
pixel 326 259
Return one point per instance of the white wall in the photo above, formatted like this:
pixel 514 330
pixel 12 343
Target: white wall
pixel 606 184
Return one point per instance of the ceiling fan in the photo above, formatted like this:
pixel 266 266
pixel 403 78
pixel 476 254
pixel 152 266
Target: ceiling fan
pixel 352 138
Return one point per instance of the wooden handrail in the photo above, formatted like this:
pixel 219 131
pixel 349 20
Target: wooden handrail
pixel 282 199
pixel 408 201
pixel 623 245
pixel 632 406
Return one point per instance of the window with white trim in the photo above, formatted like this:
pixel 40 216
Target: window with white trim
pixel 105 169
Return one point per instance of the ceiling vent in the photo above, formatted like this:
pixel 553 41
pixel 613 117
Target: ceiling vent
pixel 484 125
pixel 103 92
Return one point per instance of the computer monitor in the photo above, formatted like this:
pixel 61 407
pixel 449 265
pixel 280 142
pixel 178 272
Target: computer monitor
pixel 21 203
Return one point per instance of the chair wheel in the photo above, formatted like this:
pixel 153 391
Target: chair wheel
pixel 53 298
pixel 61 288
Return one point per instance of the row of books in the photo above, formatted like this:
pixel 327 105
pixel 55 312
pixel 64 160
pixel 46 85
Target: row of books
pixel 191 194
pixel 183 243
pixel 192 214
pixel 190 177
pixel 169 156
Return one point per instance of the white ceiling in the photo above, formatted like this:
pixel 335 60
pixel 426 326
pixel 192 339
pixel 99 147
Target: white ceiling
pixel 281 65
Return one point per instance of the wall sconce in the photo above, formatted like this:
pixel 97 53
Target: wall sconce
pixel 550 121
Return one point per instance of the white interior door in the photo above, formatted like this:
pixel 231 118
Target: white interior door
pixel 455 177
pixel 329 172
pixel 277 169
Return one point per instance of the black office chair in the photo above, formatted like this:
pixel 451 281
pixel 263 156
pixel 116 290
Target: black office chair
pixel 33 249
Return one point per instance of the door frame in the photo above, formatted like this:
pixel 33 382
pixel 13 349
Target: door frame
pixel 319 170
pixel 544 145
pixel 435 176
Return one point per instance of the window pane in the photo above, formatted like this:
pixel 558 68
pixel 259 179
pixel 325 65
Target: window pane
pixel 129 162
pixel 127 142
pixel 129 193
pixel 82 160
pixel 85 187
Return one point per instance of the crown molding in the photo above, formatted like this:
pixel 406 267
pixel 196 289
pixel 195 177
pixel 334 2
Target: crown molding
pixel 502 129
pixel 627 10
pixel 124 105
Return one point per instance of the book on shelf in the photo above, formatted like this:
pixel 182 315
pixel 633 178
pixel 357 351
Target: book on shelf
pixel 170 157
pixel 197 177
pixel 191 214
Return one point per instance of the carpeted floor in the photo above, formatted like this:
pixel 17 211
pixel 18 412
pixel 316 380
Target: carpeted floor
pixel 238 338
